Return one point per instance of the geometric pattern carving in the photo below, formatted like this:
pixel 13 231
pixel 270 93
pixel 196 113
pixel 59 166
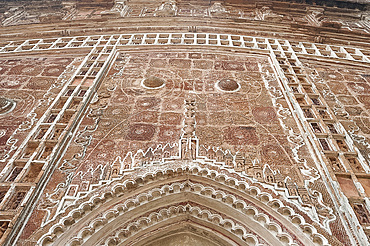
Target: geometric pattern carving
pixel 315 107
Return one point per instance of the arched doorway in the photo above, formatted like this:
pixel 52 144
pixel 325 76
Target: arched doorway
pixel 188 205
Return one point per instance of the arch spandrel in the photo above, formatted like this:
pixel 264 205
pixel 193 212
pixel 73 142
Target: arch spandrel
pixel 244 212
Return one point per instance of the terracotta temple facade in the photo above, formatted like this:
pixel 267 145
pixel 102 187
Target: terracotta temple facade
pixel 185 122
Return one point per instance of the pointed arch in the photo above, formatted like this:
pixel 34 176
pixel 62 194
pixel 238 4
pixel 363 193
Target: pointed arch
pixel 205 202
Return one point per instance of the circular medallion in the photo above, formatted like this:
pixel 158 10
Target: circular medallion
pixel 6 105
pixel 153 82
pixel 228 85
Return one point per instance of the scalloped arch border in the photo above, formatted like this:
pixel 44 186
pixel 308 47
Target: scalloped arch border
pixel 115 189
